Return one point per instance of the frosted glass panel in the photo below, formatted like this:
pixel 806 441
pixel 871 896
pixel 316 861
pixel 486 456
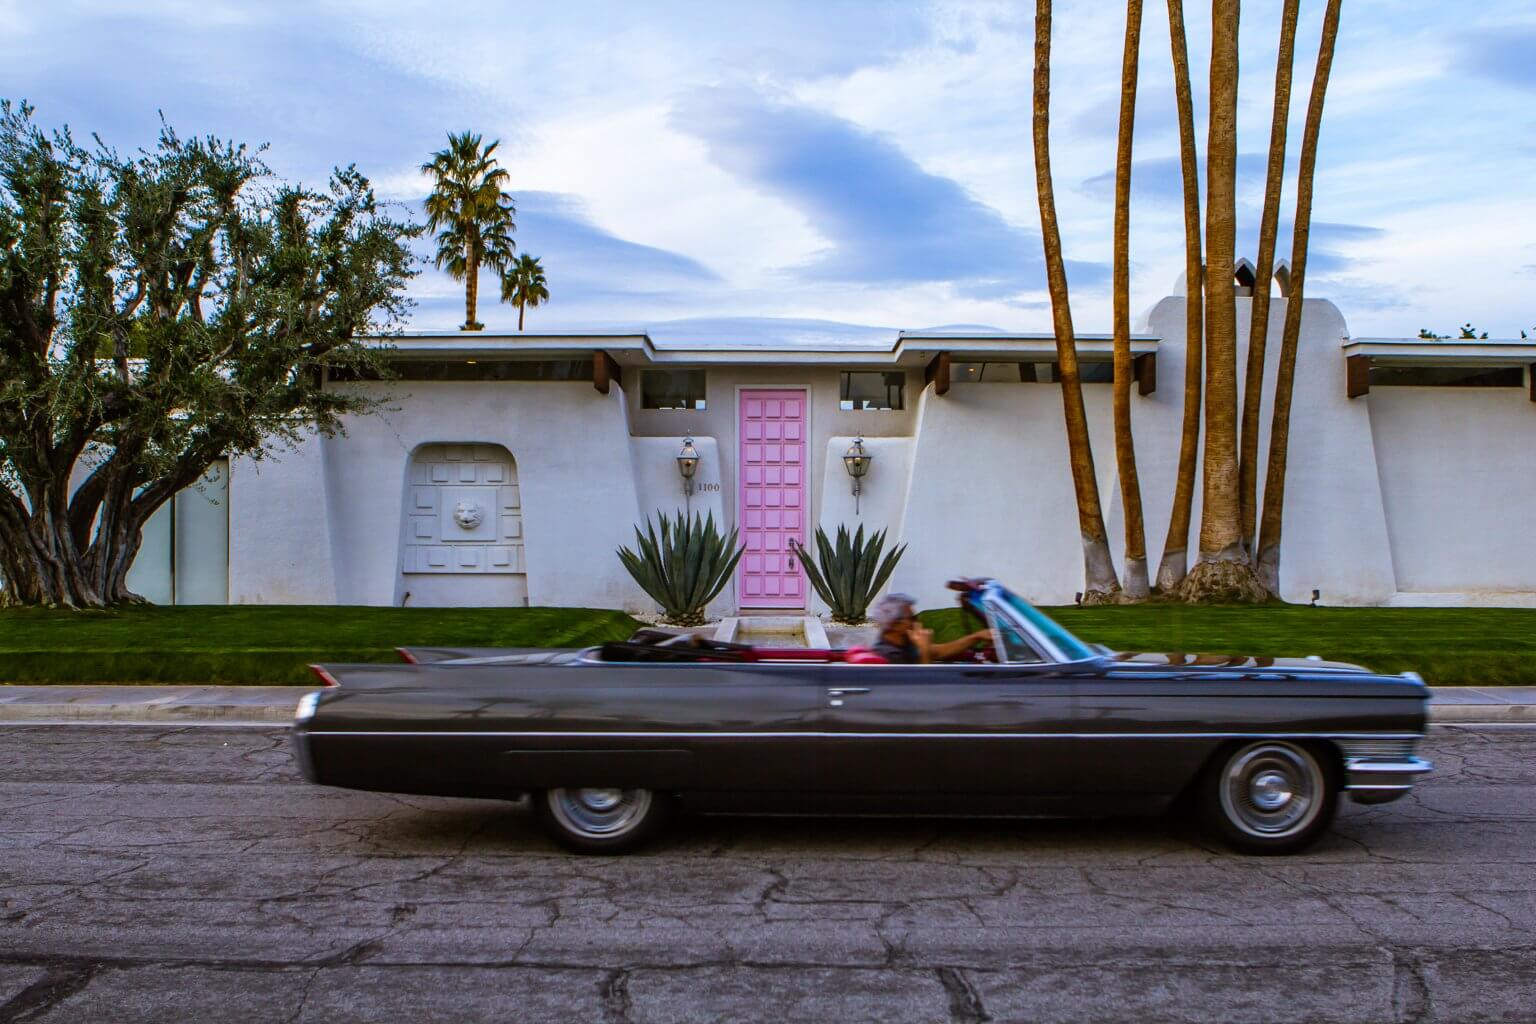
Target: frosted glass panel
pixel 150 575
pixel 202 539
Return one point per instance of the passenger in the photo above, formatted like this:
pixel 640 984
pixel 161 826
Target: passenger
pixel 903 641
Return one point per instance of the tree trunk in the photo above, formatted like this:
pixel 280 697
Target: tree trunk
pixel 1136 586
pixel 1280 426
pixel 521 308
pixel 1224 573
pixel 1098 565
pixel 40 566
pixel 1264 269
pixel 1175 561
pixel 471 291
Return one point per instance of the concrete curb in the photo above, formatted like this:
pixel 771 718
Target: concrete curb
pixel 1481 714
pixel 274 705
pixel 186 705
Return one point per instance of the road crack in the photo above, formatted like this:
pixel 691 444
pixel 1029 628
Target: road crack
pixel 965 1006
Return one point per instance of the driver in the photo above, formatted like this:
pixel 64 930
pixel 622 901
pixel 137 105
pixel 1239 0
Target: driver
pixel 904 642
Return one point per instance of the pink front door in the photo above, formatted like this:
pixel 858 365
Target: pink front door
pixel 772 485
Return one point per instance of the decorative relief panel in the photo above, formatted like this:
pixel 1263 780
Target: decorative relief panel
pixel 463 511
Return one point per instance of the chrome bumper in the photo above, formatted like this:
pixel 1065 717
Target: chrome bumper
pixel 1376 780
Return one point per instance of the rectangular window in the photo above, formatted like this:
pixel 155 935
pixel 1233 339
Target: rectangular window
pixel 1028 373
pixel 672 389
pixel 1448 376
pixel 874 390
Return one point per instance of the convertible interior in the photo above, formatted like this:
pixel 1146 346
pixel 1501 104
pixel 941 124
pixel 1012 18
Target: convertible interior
pixel 659 645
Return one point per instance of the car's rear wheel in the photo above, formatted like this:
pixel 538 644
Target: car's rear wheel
pixel 600 820
pixel 1269 797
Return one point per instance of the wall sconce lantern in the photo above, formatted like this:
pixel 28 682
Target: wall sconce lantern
pixel 856 460
pixel 687 465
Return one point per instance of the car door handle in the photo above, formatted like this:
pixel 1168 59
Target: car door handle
pixel 840 691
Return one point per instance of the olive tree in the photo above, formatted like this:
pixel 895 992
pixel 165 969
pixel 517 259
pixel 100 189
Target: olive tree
pixel 160 311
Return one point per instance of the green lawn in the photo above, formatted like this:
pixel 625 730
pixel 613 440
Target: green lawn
pixel 265 644
pixel 1447 646
pixel 255 644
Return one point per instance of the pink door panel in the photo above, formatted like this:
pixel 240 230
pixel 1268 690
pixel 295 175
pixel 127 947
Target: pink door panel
pixel 773 499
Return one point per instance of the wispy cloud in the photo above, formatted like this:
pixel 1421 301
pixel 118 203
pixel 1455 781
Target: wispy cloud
pixel 1505 54
pixel 888 220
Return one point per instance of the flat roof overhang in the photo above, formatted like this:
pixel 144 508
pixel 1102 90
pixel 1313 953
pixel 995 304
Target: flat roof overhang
pixel 1360 354
pixel 910 350
pixel 933 352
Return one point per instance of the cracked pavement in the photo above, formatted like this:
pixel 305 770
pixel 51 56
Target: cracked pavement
pixel 161 873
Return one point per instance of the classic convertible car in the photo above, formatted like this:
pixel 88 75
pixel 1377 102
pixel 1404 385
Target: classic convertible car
pixel 608 739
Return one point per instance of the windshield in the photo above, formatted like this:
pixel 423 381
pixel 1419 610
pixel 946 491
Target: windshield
pixel 1071 648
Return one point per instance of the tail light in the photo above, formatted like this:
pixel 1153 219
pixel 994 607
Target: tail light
pixel 406 655
pixel 326 679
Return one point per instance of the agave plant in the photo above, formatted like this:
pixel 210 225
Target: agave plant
pixel 682 565
pixel 851 573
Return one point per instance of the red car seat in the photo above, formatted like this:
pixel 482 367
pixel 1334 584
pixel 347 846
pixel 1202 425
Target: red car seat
pixel 864 656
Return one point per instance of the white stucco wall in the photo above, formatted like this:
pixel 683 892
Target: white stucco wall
pixel 282 528
pixel 881 506
pixel 574 464
pixel 659 487
pixel 1458 472
pixel 990 491
pixel 1335 537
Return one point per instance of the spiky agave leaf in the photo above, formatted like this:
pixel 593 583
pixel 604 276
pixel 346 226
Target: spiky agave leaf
pixel 849 573
pixel 681 564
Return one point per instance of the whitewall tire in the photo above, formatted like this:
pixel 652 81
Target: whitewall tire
pixel 1269 796
pixel 600 820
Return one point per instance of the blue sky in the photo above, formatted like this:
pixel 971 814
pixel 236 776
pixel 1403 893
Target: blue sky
pixel 696 167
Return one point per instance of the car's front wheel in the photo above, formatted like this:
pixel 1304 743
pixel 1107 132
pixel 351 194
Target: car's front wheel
pixel 1268 797
pixel 599 820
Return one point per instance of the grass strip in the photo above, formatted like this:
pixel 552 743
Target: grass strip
pixel 266 644
pixel 1447 646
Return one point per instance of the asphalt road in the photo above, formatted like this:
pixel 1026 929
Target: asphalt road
pixel 187 874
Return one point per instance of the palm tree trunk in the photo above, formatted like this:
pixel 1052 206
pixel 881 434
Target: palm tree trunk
pixel 1136 586
pixel 471 291
pixel 1224 572
pixel 1280 426
pixel 1258 332
pixel 522 307
pixel 1175 561
pixel 1098 565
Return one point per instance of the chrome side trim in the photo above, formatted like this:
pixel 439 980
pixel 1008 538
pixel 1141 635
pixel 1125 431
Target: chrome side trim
pixel 818 734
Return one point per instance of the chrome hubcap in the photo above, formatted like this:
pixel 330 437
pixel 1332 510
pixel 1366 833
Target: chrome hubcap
pixel 600 813
pixel 1272 790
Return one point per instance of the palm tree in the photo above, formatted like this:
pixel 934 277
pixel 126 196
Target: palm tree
pixel 524 285
pixel 471 213
pixel 1269 222
pixel 1280 427
pixel 1224 572
pixel 1135 579
pixel 1098 565
pixel 1175 561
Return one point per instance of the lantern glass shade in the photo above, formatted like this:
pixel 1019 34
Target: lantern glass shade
pixel 688 459
pixel 856 459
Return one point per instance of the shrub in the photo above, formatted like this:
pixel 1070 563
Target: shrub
pixel 682 565
pixel 851 573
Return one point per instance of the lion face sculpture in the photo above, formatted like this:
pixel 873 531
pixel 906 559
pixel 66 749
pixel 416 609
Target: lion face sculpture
pixel 468 514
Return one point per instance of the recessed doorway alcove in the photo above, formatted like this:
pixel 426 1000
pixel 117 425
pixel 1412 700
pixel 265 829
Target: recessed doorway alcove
pixel 461 541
